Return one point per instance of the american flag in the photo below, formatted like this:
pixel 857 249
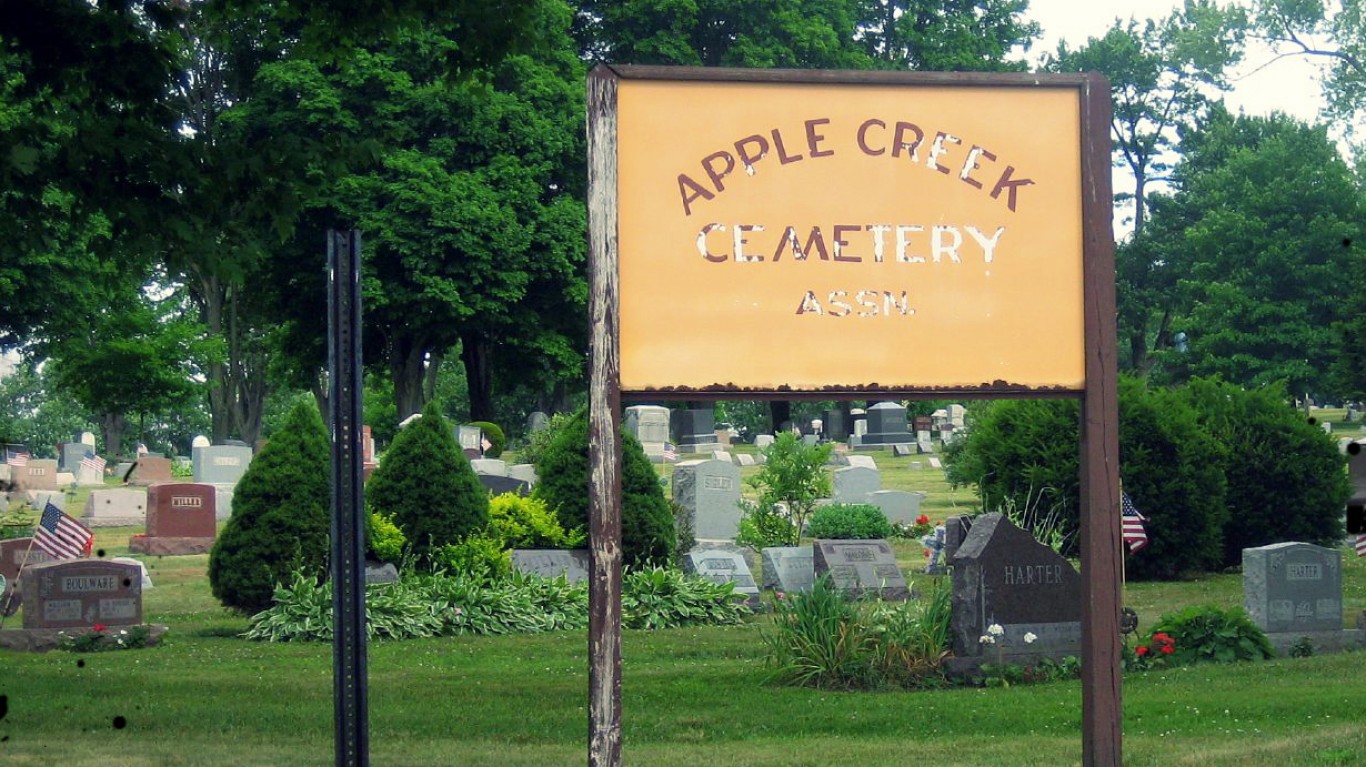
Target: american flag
pixel 93 462
pixel 1135 537
pixel 670 453
pixel 16 457
pixel 1361 545
pixel 61 536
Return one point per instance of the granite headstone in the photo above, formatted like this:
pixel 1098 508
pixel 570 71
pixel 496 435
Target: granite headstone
pixel 709 493
pixel 79 593
pixel 1293 587
pixel 860 568
pixel 789 568
pixel 572 564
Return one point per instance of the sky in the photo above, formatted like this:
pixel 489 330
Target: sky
pixel 1261 84
pixel 1289 85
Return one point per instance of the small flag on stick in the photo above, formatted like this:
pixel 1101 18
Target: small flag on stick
pixel 17 458
pixel 1135 536
pixel 670 453
pixel 61 536
pixel 93 462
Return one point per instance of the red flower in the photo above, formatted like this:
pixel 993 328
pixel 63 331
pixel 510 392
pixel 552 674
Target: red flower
pixel 922 520
pixel 1141 651
pixel 1168 649
pixel 98 627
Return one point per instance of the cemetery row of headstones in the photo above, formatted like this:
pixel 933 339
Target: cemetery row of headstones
pixel 663 431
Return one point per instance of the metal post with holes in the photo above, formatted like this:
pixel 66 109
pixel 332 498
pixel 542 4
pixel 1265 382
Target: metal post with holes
pixel 349 674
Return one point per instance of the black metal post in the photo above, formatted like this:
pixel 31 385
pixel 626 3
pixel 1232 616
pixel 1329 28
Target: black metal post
pixel 349 674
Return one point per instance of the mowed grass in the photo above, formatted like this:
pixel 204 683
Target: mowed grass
pixel 689 696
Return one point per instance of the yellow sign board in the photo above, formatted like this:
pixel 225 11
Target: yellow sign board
pixel 810 236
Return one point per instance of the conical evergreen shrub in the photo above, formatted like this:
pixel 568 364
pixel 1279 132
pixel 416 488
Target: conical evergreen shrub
pixel 647 523
pixel 426 485
pixel 280 515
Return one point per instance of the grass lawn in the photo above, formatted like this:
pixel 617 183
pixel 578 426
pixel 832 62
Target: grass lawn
pixel 690 696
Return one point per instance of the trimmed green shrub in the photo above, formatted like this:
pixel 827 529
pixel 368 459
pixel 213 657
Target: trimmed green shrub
pixel 498 441
pixel 1024 454
pixel 281 518
pixel 849 521
pixel 480 556
pixel 1211 633
pixel 520 522
pixel 425 484
pixel 1286 478
pixel 647 524
pixel 383 540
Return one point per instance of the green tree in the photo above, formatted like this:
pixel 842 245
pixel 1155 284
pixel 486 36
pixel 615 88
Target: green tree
pixel 794 475
pixel 131 361
pixel 34 412
pixel 1162 75
pixel 1256 230
pixel 426 486
pixel 1285 476
pixel 280 517
pixel 647 525
pixel 1024 454
pixel 1330 31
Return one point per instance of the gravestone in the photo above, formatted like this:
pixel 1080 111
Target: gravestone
pixel 66 479
pixel 38 474
pixel 70 457
pixel 955 530
pixel 493 466
pixel 650 425
pixel 744 459
pixel 80 593
pixel 903 451
pixel 957 414
pixel 380 572
pixel 89 473
pixel 835 426
pixel 709 493
pixel 852 484
pixel 935 463
pixel 866 461
pixel 523 471
pixel 199 441
pixel 471 440
pixel 41 499
pixel 182 519
pixel 899 506
pixel 15 553
pixel 223 501
pixel 860 568
pixel 552 563
pixel 536 421
pixel 497 484
pixel 789 568
pixel 150 470
pixel 924 442
pixel 720 566
pixel 762 441
pixel 1002 576
pixel 1293 587
pixel 115 507
pixel 722 455
pixel 142 568
pixel 887 425
pixel 694 431
pixel 221 464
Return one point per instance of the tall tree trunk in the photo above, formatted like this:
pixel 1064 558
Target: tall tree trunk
pixel 212 300
pixel 407 370
pixel 113 425
pixel 474 352
pixel 780 412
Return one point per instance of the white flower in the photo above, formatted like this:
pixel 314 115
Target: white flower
pixel 995 630
pixel 1029 637
pixel 987 639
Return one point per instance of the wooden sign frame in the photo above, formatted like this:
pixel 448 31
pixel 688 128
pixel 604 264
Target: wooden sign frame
pixel 1100 518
